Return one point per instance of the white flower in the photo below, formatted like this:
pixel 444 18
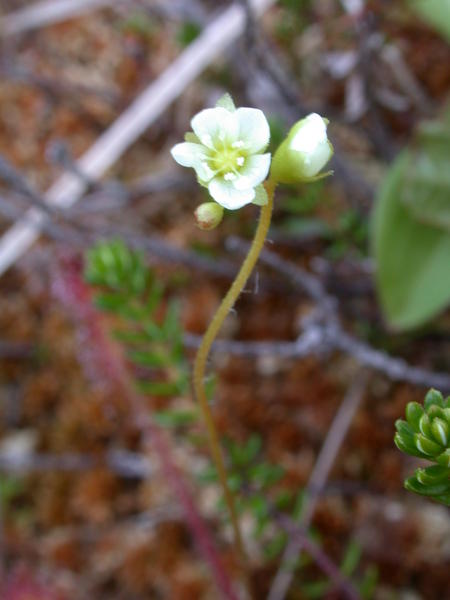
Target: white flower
pixel 304 152
pixel 227 153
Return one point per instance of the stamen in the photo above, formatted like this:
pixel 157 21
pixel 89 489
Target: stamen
pixel 240 161
pixel 229 176
pixel 238 144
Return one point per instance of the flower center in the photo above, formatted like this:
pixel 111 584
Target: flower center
pixel 228 160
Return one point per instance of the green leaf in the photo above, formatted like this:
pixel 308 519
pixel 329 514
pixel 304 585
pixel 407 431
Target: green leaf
pixel 175 418
pixel 315 589
pixel 426 190
pixel 404 428
pixel 436 13
pixel 433 397
pixel 110 302
pixel 187 33
pixel 414 412
pixel 412 258
pixel 208 475
pixel 413 485
pixel 159 388
pixel 265 474
pixel 432 475
pixel 368 585
pixel 276 545
pixel 351 558
pixel 149 358
pixel 253 447
pixel 259 508
pixel 407 445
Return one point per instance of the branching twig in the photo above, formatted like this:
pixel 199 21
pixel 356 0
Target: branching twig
pixel 317 481
pixel 300 537
pixel 330 335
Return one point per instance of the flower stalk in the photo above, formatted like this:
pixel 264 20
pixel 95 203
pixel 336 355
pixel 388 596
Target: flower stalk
pixel 205 347
pixel 227 150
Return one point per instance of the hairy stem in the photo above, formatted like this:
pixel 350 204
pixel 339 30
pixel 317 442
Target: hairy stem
pixel 203 352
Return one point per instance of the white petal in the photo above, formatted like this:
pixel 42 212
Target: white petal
pixel 192 155
pixel 188 154
pixel 253 128
pixel 316 160
pixel 311 133
pixel 253 172
pixel 225 194
pixel 214 125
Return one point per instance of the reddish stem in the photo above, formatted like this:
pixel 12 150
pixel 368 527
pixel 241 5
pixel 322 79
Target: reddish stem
pixel 71 289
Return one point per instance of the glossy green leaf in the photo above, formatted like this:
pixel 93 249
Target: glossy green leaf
pixel 434 12
pixel 412 258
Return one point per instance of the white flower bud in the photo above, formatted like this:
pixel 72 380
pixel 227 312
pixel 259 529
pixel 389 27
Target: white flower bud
pixel 304 152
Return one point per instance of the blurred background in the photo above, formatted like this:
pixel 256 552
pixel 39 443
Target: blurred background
pixel 108 493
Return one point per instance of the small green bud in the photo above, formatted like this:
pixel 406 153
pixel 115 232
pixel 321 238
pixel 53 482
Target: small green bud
pixel 304 152
pixel 208 215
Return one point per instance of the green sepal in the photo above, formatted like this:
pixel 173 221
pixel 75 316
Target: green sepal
pixel 261 198
pixel 320 176
pixel 191 137
pixel 226 101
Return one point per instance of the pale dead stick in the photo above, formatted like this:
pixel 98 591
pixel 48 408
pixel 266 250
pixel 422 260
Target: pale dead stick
pixel 41 14
pixel 108 148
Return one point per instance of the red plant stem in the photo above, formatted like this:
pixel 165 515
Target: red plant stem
pixel 71 289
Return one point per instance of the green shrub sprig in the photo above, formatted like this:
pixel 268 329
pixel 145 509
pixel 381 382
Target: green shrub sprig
pixel 426 434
